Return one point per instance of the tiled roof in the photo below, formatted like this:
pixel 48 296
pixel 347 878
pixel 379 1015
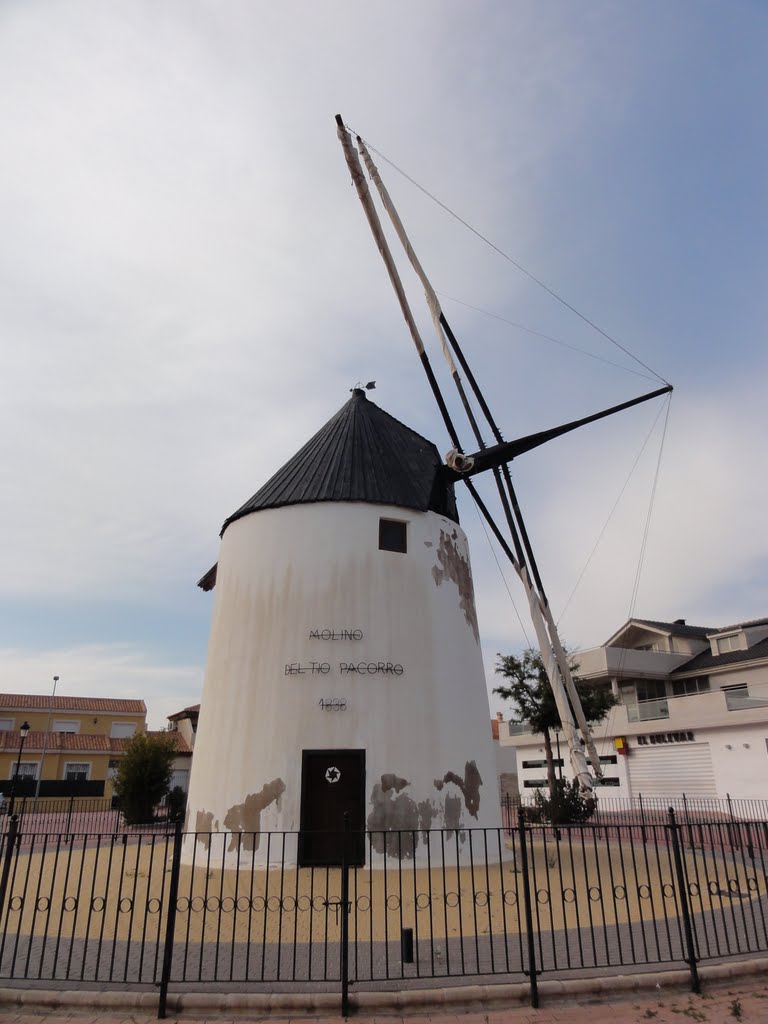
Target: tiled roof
pixel 41 702
pixel 53 742
pixel 361 454
pixel 182 747
pixel 191 711
pixel 740 625
pixel 56 742
pixel 676 627
pixel 707 660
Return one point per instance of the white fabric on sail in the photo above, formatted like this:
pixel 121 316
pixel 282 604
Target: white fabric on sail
pixel 579 764
pixel 353 163
pixel 571 689
pixel 432 300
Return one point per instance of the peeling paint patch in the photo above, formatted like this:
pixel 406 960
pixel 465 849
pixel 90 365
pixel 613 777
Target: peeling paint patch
pixel 438 784
pixel 392 781
pixel 452 812
pixel 427 814
pixel 245 818
pixel 469 786
pixel 454 566
pixel 393 823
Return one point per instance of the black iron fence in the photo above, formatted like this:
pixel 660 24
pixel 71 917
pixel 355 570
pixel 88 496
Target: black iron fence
pixel 426 907
pixel 77 815
pixel 647 810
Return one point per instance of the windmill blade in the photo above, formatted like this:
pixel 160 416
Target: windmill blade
pixel 361 186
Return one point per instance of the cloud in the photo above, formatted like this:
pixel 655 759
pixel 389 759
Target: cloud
pixel 94 670
pixel 188 287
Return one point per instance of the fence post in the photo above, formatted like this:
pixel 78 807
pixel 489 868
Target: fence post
pixel 345 908
pixel 69 813
pixel 170 921
pixel 682 888
pixel 11 838
pixel 688 821
pixel 531 972
pixel 734 828
pixel 642 817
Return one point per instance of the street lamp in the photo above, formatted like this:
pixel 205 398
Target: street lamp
pixel 23 733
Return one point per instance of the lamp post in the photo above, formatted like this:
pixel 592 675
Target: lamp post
pixel 23 733
pixel 559 758
pixel 45 737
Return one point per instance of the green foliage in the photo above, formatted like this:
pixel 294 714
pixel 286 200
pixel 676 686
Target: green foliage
pixel 564 805
pixel 529 688
pixel 143 775
pixel 176 802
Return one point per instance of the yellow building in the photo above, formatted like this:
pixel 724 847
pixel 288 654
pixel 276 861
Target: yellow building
pixel 73 745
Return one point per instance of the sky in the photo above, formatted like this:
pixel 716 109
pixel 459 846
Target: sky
pixel 188 290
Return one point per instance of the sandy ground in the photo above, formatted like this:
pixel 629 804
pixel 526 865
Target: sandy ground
pixel 118 891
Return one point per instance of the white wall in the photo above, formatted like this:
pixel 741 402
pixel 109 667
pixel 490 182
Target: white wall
pixel 285 572
pixel 742 770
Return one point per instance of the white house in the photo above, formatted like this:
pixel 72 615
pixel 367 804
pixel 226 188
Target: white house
pixel 692 717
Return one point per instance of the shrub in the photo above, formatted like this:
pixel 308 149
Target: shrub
pixel 565 805
pixel 176 803
pixel 143 775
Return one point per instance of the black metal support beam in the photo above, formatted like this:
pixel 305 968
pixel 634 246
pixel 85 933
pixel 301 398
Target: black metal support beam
pixel 498 454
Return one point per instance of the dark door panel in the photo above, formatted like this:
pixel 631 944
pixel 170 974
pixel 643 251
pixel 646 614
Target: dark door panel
pixel 332 785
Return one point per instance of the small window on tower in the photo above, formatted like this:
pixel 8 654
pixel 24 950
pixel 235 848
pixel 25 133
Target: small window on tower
pixel 392 535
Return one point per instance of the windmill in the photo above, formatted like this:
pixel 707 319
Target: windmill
pixel 495 459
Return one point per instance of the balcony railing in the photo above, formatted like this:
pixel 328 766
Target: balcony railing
pixel 519 728
pixel 648 710
pixel 740 700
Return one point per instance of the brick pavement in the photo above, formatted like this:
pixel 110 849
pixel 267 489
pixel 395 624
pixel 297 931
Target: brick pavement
pixel 735 1000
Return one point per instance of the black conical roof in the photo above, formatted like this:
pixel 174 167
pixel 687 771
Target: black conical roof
pixel 361 454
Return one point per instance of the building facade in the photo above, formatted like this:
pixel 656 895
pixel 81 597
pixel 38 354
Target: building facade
pixel 692 715
pixel 73 746
pixel 183 724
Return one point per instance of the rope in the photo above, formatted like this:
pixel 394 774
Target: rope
pixel 508 258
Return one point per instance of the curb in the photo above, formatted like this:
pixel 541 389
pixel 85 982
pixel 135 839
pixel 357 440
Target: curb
pixel 447 1000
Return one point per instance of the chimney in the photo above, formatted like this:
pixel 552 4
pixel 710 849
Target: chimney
pixel 679 622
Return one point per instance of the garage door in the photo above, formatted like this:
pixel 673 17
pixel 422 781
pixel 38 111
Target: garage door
pixel 672 770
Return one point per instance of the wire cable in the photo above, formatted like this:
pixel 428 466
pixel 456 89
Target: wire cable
pixel 546 337
pixel 501 572
pixel 646 530
pixel 507 257
pixel 644 544
pixel 610 515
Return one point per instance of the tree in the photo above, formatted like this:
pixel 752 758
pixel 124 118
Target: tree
pixel 143 776
pixel 529 688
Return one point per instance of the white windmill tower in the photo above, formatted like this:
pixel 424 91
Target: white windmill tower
pixel 344 669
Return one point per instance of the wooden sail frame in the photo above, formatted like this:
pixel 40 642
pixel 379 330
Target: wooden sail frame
pixel 495 459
